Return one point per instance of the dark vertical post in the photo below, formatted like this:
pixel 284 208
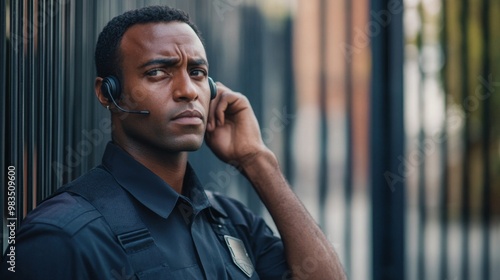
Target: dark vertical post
pixel 17 103
pixel 47 66
pixel 323 124
pixel 43 161
pixel 251 79
pixel 443 191
pixel 349 138
pixel 486 154
pixel 30 105
pixel 289 100
pixel 50 59
pixel 39 121
pixel 387 144
pixel 60 114
pixel 3 118
pixel 464 73
pixel 422 194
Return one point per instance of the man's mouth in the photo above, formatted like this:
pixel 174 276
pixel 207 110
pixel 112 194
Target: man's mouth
pixel 189 117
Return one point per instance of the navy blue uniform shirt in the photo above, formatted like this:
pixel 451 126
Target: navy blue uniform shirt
pixel 65 237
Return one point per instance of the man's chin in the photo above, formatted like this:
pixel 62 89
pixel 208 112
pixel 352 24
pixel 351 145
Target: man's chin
pixel 189 145
pixel 192 148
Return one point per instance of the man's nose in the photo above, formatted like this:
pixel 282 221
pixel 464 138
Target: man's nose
pixel 184 88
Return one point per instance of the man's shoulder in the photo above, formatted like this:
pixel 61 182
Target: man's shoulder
pixel 64 211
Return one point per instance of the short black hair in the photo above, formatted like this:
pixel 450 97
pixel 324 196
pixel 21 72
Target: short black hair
pixel 107 55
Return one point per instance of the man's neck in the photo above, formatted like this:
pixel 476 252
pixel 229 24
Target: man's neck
pixel 171 167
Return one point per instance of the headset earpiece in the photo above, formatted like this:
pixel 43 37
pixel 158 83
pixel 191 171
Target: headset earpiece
pixel 213 88
pixel 111 88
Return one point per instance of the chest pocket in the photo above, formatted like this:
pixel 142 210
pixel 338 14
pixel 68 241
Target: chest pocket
pixel 144 256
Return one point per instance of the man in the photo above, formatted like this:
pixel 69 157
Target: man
pixel 143 213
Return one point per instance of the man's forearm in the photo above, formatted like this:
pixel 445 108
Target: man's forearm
pixel 309 253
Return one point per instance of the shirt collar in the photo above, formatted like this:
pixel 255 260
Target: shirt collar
pixel 148 188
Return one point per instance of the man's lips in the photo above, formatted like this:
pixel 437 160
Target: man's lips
pixel 189 117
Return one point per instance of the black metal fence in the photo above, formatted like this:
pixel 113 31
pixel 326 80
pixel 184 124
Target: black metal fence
pixel 385 130
pixel 452 164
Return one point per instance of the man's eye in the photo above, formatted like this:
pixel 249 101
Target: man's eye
pixel 155 73
pixel 198 73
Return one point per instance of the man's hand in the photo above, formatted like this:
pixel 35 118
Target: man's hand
pixel 233 132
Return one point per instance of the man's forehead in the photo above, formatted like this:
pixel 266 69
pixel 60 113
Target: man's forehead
pixel 158 36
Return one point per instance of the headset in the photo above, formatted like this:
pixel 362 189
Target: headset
pixel 111 89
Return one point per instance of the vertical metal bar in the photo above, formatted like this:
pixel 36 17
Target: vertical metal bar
pixel 464 72
pixel 323 125
pixel 13 94
pixel 46 128
pixel 75 75
pixel 422 198
pixel 30 106
pixel 73 101
pixel 78 27
pixel 289 100
pixel 349 138
pixel 53 57
pixel 486 154
pixel 42 163
pixel 252 25
pixel 63 92
pixel 422 194
pixel 20 111
pixel 387 143
pixel 60 116
pixel 50 94
pixel 443 193
pixel 87 82
pixel 4 161
pixel 98 113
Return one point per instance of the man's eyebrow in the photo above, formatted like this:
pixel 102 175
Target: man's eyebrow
pixel 168 62
pixel 198 62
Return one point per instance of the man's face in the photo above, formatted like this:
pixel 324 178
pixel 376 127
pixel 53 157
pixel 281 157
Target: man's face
pixel 165 71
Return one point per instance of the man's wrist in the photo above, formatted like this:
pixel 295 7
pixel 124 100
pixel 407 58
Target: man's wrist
pixel 259 164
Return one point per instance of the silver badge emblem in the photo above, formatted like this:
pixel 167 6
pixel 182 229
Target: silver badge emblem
pixel 240 255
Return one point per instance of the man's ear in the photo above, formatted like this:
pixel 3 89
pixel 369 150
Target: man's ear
pixel 99 94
